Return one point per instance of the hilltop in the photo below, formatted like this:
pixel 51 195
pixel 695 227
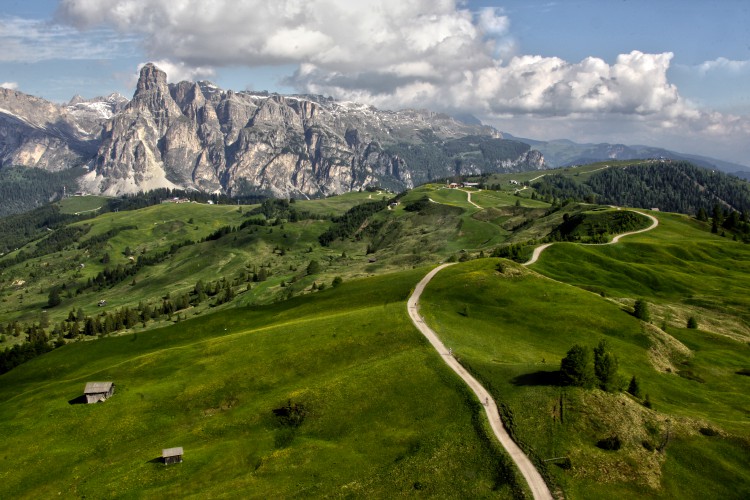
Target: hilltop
pixel 209 317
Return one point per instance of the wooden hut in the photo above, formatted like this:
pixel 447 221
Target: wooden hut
pixel 172 455
pixel 98 391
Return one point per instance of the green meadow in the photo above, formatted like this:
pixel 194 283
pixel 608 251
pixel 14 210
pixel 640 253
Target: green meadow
pixel 364 406
pixel 382 416
pixel 511 327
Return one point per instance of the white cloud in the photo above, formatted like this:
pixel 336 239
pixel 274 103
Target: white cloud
pixel 418 53
pixel 723 64
pixel 9 85
pixel 34 40
pixel 179 71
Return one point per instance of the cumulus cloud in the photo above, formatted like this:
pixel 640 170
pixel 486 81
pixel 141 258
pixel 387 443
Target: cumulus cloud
pixel 418 53
pixel 724 64
pixel 387 52
pixel 179 71
pixel 9 85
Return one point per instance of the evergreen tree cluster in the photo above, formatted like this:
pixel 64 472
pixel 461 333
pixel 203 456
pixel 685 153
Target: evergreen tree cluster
pixel 98 241
pixel 348 224
pixel 22 189
pixel 435 158
pixel 19 230
pixel 516 252
pixel 597 227
pixel 674 187
pixel 580 368
pixel 11 357
pixel 558 186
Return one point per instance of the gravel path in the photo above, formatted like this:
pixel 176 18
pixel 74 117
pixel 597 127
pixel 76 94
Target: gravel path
pixel 538 250
pixel 537 485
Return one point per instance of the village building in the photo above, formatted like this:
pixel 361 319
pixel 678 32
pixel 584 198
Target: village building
pixel 453 185
pixel 171 455
pixel 470 184
pixel 96 392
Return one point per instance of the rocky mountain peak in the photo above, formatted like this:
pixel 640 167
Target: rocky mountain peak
pixel 151 79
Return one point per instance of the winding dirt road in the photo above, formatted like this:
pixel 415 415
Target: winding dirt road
pixel 538 250
pixel 537 485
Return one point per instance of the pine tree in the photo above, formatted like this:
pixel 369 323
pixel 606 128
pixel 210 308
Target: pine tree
pixel 605 367
pixel 634 388
pixel 577 367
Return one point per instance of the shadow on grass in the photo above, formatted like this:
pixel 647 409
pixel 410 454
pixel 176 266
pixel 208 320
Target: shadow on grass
pixel 157 460
pixel 538 378
pixel 80 400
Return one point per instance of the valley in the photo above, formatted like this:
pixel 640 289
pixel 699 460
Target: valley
pixel 216 320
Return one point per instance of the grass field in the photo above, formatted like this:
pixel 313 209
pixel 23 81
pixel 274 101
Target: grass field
pixel 81 204
pixel 680 265
pixel 384 417
pixel 512 328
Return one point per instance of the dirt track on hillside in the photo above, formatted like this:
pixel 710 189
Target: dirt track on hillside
pixel 537 485
pixel 538 250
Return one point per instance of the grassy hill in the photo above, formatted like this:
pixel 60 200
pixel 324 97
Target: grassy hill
pixel 224 313
pixel 382 416
pixel 512 328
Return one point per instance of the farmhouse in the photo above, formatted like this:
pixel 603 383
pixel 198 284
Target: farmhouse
pixel 98 391
pixel 471 184
pixel 172 455
pixel 453 185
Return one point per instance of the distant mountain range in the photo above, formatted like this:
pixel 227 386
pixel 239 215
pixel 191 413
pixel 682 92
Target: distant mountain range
pixel 194 135
pixel 564 153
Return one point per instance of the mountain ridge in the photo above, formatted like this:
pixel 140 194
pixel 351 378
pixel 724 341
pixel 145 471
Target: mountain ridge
pixel 194 135
pixel 564 153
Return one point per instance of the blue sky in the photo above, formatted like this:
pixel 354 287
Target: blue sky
pixel 665 73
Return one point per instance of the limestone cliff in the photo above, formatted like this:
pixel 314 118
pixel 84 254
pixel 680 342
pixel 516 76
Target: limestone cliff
pixel 194 135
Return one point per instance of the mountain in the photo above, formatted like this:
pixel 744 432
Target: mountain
pixel 194 135
pixel 38 133
pixel 563 153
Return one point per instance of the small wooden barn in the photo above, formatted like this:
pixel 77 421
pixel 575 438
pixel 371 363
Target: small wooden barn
pixel 98 391
pixel 171 455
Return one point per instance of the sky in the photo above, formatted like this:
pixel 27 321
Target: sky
pixel 666 73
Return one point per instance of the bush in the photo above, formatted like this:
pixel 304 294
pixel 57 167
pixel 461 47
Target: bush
pixel 612 443
pixel 641 311
pixel 692 323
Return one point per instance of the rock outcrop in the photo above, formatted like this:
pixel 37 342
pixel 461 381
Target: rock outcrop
pixel 194 135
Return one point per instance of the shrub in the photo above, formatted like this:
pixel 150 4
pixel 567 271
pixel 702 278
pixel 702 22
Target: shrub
pixel 612 443
pixel 692 323
pixel 641 311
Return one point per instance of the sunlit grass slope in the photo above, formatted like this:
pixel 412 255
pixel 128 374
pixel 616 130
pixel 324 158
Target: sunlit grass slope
pixel 384 417
pixel 512 327
pixel 679 262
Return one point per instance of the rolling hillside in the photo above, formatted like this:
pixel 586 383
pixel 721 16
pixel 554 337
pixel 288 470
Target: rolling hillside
pixel 272 342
